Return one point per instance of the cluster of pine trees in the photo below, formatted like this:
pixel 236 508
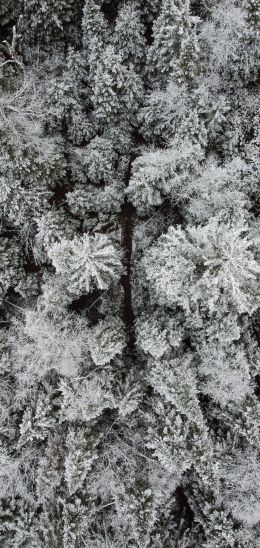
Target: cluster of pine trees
pixel 129 275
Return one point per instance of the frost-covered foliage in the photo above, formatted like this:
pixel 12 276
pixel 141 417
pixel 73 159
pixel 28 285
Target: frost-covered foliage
pixel 85 261
pixel 212 267
pixel 157 175
pixel 50 21
pixel 106 340
pixel 242 497
pixel 130 274
pixel 171 30
pixel 224 373
pixel 41 344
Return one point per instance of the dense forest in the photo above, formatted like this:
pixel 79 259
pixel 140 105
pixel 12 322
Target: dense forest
pixel 129 275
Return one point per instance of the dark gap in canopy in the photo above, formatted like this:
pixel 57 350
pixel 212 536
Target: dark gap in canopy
pixel 88 304
pixel 6 31
pixel 184 507
pixel 110 10
pixel 257 386
pixel 201 8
